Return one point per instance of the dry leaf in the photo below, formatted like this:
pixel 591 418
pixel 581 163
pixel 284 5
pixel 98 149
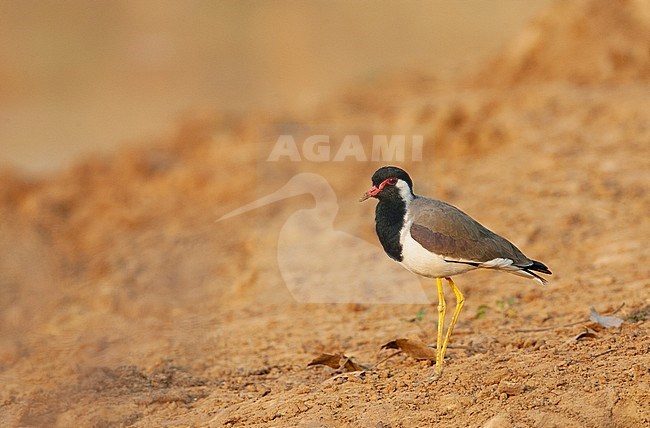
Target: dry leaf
pixel 329 360
pixel 338 362
pixel 414 348
pixel 351 366
pixel 606 321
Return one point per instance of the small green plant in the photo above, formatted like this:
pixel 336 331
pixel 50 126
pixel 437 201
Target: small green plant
pixel 481 311
pixel 505 307
pixel 641 314
pixel 419 316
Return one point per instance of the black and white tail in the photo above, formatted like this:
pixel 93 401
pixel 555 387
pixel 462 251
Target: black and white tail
pixel 536 267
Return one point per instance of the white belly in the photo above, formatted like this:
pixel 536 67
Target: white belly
pixel 421 261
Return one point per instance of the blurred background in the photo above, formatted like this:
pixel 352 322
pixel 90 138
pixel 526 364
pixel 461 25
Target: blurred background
pixel 81 77
pixel 124 303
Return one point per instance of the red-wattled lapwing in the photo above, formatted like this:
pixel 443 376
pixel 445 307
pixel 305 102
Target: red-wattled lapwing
pixel 437 240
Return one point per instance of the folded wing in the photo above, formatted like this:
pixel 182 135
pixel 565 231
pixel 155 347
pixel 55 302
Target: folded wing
pixel 445 230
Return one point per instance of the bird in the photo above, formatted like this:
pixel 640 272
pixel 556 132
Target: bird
pixel 434 239
pixel 320 264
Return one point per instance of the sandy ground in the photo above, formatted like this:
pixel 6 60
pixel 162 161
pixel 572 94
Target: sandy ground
pixel 123 302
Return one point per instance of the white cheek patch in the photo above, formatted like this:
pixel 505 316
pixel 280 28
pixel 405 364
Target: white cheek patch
pixel 404 191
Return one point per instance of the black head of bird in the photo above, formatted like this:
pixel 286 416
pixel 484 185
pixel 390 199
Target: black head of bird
pixel 389 182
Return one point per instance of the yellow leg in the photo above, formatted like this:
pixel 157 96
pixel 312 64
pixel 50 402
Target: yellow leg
pixel 460 301
pixel 441 323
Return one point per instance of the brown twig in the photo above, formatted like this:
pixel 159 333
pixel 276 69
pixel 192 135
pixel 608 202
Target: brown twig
pixel 466 347
pixel 600 354
pixel 385 359
pixel 569 324
pixel 471 348
pixel 551 327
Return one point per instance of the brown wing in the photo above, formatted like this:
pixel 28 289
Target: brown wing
pixel 446 230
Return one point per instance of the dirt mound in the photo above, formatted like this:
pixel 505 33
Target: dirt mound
pixel 582 41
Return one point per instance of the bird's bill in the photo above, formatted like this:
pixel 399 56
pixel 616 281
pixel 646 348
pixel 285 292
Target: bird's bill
pixel 374 190
pixel 286 191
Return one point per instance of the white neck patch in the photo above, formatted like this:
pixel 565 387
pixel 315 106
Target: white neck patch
pixel 404 191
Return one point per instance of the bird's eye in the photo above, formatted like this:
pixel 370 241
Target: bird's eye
pixel 392 181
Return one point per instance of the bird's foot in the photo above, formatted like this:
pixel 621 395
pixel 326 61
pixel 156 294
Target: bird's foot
pixel 437 374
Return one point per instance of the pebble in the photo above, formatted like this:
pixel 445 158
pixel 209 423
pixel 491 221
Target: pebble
pixel 510 388
pixel 499 421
